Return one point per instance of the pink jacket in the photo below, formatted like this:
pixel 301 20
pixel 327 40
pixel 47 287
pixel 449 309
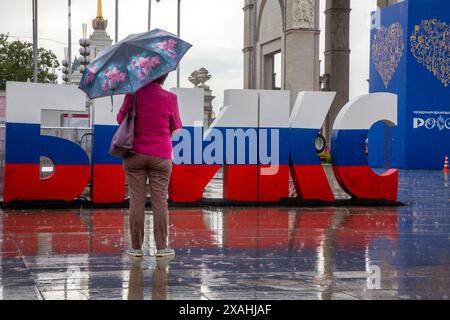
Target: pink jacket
pixel 157 117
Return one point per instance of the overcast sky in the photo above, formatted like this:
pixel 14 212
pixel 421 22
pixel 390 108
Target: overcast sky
pixel 214 27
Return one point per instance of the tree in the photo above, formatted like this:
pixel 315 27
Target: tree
pixel 16 62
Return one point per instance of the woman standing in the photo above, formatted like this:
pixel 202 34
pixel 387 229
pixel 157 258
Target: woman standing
pixel 157 117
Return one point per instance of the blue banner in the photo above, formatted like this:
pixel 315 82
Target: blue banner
pixel 410 56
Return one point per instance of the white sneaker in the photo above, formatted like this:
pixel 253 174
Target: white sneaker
pixel 167 252
pixel 138 253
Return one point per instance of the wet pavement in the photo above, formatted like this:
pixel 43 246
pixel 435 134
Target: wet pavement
pixel 251 253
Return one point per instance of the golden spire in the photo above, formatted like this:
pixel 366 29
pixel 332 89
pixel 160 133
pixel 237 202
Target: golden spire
pixel 99 9
pixel 99 23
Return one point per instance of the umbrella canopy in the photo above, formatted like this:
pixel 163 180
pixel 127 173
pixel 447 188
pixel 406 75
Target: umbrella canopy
pixel 132 63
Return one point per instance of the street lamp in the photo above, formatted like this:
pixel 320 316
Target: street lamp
pixel 178 34
pixel 117 21
pixel 85 51
pixel 150 14
pixel 35 41
pixel 65 67
pixel 149 21
pixel 38 69
pixel 69 40
pixel 65 71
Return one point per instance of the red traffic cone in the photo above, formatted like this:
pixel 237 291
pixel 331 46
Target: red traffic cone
pixel 446 168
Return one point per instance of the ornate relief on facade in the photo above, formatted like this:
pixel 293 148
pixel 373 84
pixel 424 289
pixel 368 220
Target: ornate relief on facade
pixel 304 14
pixel 430 45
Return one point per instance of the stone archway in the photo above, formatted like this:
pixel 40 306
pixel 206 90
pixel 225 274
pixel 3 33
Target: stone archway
pixel 269 37
pixel 289 27
pixel 262 10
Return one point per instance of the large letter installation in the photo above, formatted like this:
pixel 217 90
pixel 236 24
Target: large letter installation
pixel 25 145
pixel 254 139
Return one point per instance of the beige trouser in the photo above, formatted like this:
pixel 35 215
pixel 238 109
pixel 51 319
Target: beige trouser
pixel 138 167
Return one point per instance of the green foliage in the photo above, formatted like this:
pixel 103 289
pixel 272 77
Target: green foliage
pixel 16 62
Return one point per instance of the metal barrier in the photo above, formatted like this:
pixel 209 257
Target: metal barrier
pixel 81 136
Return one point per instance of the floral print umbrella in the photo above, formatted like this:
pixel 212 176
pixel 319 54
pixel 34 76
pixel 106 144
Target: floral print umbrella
pixel 132 63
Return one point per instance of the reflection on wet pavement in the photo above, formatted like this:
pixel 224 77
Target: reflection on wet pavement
pixel 251 253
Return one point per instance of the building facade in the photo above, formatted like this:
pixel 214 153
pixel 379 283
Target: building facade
pixel 290 28
pixel 99 39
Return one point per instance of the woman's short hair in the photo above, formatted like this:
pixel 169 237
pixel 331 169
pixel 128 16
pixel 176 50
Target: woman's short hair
pixel 161 79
